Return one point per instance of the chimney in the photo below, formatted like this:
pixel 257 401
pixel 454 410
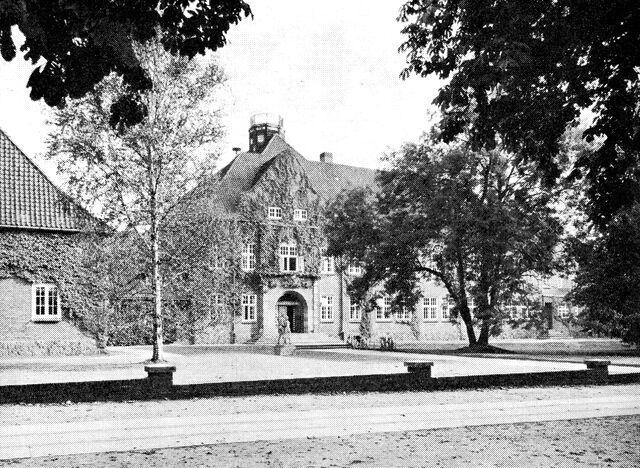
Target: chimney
pixel 262 128
pixel 326 157
pixel 236 150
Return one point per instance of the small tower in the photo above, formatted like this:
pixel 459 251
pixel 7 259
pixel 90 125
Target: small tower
pixel 262 128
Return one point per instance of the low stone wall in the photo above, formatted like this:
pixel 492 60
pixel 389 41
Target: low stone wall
pixel 35 348
pixel 142 389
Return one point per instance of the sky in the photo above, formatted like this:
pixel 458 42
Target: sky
pixel 330 69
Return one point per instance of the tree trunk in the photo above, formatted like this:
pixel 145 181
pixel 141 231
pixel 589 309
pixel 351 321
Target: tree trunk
pixel 483 339
pixel 158 351
pixel 468 323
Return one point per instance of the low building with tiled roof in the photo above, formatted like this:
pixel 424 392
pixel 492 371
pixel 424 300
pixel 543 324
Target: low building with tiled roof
pixel 39 225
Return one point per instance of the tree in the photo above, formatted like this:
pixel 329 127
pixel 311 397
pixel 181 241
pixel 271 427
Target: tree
pixel 474 221
pixel 74 44
pixel 519 72
pixel 135 176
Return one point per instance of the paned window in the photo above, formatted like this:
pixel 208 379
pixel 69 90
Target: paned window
pixel 563 310
pixel 300 215
pixel 354 310
pixel 275 212
pixel 404 314
pixel 511 310
pixel 289 259
pixel 249 257
pixel 354 269
pixel 328 265
pixel 45 304
pixel 326 308
pixel 383 312
pixel 430 308
pixel 447 305
pixel 249 307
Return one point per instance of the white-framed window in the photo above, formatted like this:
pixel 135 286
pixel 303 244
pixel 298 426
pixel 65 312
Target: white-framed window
pixel 430 309
pixel 354 269
pixel 355 313
pixel 274 212
pixel 290 261
pixel 563 310
pixel 326 308
pixel 383 311
pixel 472 305
pixel 45 303
pixel 249 302
pixel 249 257
pixel 447 305
pixel 511 310
pixel 328 265
pixel 300 215
pixel 217 300
pixel 403 314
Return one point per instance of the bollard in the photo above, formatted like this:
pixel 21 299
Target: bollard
pixel 160 375
pixel 423 368
pixel 598 366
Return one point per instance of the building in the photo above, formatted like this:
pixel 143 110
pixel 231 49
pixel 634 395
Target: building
pixel 39 230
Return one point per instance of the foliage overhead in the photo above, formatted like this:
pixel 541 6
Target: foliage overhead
pixel 74 44
pixel 474 221
pixel 519 72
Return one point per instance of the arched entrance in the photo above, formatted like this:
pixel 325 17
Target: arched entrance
pixel 294 305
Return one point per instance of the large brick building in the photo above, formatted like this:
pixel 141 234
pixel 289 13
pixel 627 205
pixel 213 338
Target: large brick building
pixel 279 196
pixel 39 226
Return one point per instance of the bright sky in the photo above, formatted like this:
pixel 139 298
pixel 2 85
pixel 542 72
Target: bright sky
pixel 330 68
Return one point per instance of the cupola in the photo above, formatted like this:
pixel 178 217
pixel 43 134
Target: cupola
pixel 262 128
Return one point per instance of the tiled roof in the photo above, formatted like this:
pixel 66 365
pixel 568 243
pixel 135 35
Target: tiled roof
pixel 28 199
pixel 326 179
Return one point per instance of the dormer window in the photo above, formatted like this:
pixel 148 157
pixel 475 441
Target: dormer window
pixel 275 212
pixel 300 215
pixel 45 303
pixel 289 260
pixel 354 269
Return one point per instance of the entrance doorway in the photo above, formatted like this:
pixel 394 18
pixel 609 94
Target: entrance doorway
pixel 293 305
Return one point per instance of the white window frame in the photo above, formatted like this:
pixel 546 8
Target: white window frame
pixel 249 308
pixel 383 311
pixel 355 311
pixel 328 265
pixel 353 269
pixel 563 310
pixel 248 257
pixel 300 215
pixel 445 310
pixel 403 315
pixel 51 312
pixel 274 212
pixel 289 253
pixel 430 309
pixel 326 308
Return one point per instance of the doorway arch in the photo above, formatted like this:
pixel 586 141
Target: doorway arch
pixel 294 305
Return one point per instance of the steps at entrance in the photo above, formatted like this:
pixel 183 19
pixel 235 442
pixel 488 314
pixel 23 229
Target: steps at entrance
pixel 316 341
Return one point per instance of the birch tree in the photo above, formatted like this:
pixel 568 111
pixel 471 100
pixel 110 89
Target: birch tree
pixel 134 176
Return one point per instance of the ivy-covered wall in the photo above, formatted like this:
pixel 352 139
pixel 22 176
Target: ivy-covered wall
pixel 42 257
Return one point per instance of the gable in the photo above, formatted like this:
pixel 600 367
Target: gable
pixel 28 199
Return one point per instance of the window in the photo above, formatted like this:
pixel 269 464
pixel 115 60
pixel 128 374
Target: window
pixel 328 265
pixel 403 314
pixel 45 303
pixel 326 308
pixel 354 311
pixel 249 257
pixel 289 259
pixel 249 307
pixel 275 212
pixel 300 215
pixel 217 300
pixel 383 312
pixel 447 305
pixel 218 262
pixel 511 310
pixel 563 310
pixel 430 308
pixel 354 269
pixel 472 305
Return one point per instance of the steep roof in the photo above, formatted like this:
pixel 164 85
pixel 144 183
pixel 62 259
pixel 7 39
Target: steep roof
pixel 28 199
pixel 327 179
